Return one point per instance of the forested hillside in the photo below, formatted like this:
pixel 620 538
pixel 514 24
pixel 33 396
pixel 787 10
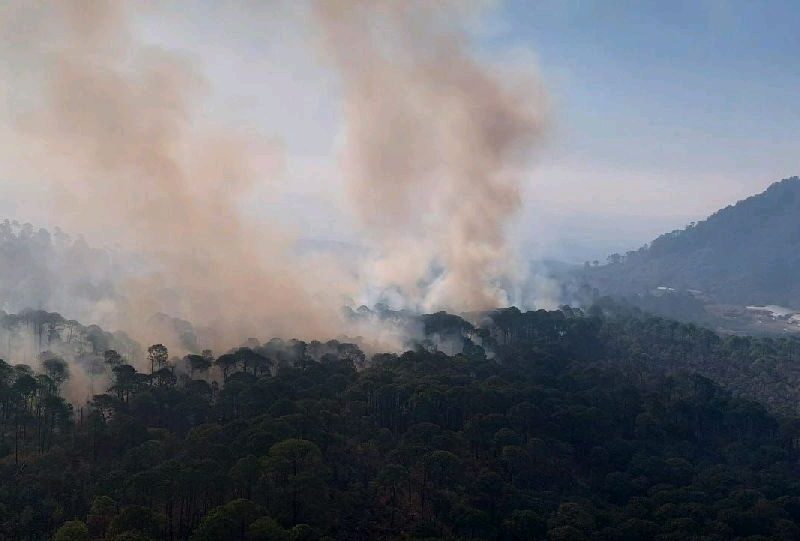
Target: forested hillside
pixel 747 253
pixel 53 271
pixel 544 425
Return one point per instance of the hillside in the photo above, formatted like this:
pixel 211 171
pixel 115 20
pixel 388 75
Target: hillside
pixel 744 254
pixel 547 425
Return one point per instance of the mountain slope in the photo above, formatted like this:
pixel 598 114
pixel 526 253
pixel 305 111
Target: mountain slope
pixel 568 430
pixel 747 253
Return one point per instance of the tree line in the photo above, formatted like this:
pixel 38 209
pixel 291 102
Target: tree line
pixel 557 425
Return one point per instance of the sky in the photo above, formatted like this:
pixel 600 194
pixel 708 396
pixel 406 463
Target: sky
pixel 663 111
pixel 660 112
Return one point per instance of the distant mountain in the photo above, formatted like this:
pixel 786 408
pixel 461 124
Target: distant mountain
pixel 744 254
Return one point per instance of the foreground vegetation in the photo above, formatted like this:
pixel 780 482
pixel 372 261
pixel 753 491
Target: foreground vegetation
pixel 548 425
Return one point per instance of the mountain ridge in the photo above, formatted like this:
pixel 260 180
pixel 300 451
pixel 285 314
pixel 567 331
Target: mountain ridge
pixel 746 253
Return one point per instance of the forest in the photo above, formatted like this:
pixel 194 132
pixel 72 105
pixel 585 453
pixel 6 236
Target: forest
pixel 229 170
pixel 562 425
pixel 50 269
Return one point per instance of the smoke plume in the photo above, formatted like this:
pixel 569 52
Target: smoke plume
pixel 435 142
pixel 117 131
pixel 116 134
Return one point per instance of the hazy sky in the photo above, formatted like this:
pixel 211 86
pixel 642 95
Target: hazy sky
pixel 661 112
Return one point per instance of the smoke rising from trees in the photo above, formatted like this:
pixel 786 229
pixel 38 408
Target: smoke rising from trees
pixel 115 132
pixel 435 142
pixel 119 134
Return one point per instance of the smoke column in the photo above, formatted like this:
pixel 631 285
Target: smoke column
pixel 435 141
pixel 116 130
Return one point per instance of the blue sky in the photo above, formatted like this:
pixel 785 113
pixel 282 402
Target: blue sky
pixel 649 74
pixel 700 100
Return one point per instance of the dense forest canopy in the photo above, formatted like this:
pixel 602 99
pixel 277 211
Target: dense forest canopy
pixel 602 423
pixel 561 425
pixel 746 253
